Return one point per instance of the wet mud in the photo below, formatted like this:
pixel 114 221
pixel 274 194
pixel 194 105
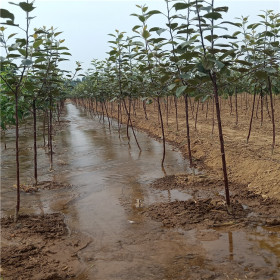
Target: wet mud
pixel 116 215
pixel 39 247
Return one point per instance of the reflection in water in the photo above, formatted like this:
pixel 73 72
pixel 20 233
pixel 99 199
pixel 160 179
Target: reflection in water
pixel 230 244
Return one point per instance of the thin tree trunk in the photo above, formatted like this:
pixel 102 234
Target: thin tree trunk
pixel 119 127
pixel 35 140
pixel 192 107
pixel 4 136
pixel 17 159
pixel 223 155
pixel 252 115
pixel 261 107
pixel 131 125
pixel 272 113
pixel 167 110
pixel 107 115
pixel 44 129
pixel 236 108
pixel 258 103
pixel 188 129
pixel 196 114
pixel 213 115
pixel 50 136
pixel 230 102
pixel 176 112
pixel 267 109
pixel 162 130
pixel 145 109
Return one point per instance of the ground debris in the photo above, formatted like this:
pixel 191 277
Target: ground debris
pixel 187 213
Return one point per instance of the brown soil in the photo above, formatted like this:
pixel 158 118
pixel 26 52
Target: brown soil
pixel 40 247
pixel 49 185
pixel 52 185
pixel 253 170
pixel 252 165
pixel 207 208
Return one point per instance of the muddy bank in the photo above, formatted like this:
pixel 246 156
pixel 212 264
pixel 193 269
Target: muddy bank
pixel 207 209
pixel 40 247
pixel 251 164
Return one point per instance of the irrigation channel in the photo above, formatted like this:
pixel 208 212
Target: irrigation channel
pixel 109 187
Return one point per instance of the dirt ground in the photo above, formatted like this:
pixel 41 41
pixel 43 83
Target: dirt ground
pixel 207 208
pixel 40 247
pixel 252 165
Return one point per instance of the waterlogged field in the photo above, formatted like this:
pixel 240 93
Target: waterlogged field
pixel 161 161
pixel 114 221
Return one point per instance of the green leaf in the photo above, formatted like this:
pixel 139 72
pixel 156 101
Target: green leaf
pixel 221 9
pixel 219 64
pixel 153 12
pixel 181 6
pixel 180 91
pixel 172 25
pixel 66 53
pixel 12 3
pixel 172 86
pixel 11 55
pixel 22 51
pixel 261 74
pixel 160 30
pixel 26 62
pixel 38 54
pixel 189 55
pixel 213 15
pixel 205 98
pixel 63 48
pixel 27 7
pixel 236 33
pixel 270 70
pixel 185 76
pixel 6 14
pixel 37 43
pixel 253 26
pixel 232 23
pixel 12 35
pixel 40 59
pixel 146 34
pixel 144 9
pixel 241 69
pixel 142 18
pixel 243 62
pixel 57 33
pixel 230 52
pixel 211 38
pixel 207 64
pixel 9 22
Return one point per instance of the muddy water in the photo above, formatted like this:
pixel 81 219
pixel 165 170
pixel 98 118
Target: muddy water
pixel 110 185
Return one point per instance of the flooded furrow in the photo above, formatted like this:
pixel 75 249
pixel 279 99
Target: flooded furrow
pixel 110 184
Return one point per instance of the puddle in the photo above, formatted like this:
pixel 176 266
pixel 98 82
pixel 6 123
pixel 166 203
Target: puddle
pixel 167 196
pixel 109 178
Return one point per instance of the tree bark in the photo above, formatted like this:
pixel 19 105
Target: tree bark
pixel 221 137
pixel 35 141
pixel 188 129
pixel 17 159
